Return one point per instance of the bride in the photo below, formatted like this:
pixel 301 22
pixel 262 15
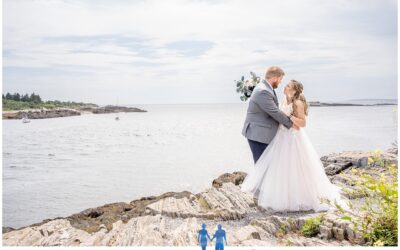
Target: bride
pixel 289 175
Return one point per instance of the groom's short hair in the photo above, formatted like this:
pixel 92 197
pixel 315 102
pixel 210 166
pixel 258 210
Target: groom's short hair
pixel 274 71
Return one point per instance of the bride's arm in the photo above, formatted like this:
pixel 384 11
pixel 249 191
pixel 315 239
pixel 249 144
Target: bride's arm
pixel 299 119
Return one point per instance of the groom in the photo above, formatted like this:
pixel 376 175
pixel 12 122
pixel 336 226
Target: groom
pixel 263 114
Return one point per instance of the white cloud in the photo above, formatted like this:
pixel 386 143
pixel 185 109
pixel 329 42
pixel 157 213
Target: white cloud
pixel 334 47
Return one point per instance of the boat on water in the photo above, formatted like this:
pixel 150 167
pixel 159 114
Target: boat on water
pixel 25 120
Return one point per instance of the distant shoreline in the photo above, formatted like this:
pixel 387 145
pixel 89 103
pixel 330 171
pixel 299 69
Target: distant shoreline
pixel 325 104
pixel 44 113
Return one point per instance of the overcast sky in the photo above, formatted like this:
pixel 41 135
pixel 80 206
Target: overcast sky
pixel 142 52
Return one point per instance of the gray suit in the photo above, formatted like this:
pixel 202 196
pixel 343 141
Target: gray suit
pixel 263 115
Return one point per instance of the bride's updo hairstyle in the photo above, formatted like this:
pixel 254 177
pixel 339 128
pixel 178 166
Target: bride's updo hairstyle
pixel 298 95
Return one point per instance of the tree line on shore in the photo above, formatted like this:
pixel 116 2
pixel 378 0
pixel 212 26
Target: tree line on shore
pixel 23 98
pixel 18 101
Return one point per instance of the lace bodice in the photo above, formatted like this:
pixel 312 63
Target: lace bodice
pixel 286 108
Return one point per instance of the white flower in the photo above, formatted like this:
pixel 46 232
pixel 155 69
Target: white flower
pixel 249 83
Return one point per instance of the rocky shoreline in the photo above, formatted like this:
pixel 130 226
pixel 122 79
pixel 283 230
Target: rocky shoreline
pixel 174 218
pixel 44 113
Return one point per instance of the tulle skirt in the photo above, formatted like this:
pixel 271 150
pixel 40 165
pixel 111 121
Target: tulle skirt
pixel 289 175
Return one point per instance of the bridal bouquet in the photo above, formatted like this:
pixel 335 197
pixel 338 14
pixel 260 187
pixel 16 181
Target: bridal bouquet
pixel 245 87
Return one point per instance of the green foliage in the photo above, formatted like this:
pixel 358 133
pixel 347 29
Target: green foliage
pixel 311 226
pixel 24 98
pixel 377 218
pixel 35 98
pixel 10 104
pixel 245 87
pixel 282 230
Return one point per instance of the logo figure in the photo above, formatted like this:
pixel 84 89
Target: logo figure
pixel 221 236
pixel 202 238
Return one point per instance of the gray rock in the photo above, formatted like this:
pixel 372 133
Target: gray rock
pixel 113 109
pixel 227 202
pixel 393 151
pixel 362 162
pixel 325 232
pixel 334 168
pixel 40 113
pixel 7 229
pixel 236 178
pixel 338 233
pixel 173 219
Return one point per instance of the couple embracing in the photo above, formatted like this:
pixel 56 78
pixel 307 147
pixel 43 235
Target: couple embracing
pixel 288 174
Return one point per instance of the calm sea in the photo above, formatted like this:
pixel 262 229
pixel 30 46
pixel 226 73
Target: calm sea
pixel 57 167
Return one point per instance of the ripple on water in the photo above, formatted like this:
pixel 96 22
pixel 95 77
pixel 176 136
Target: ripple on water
pixel 16 167
pixel 9 178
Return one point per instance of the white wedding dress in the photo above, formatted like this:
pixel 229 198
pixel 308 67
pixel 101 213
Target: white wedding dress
pixel 289 175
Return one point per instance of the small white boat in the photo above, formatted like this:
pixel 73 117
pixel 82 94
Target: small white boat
pixel 25 120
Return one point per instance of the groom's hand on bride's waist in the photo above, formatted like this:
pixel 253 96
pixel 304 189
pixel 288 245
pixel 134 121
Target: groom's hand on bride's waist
pixel 295 127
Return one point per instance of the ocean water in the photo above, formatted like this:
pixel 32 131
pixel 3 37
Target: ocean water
pixel 57 167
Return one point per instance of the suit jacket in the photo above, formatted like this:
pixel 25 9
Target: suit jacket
pixel 263 115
